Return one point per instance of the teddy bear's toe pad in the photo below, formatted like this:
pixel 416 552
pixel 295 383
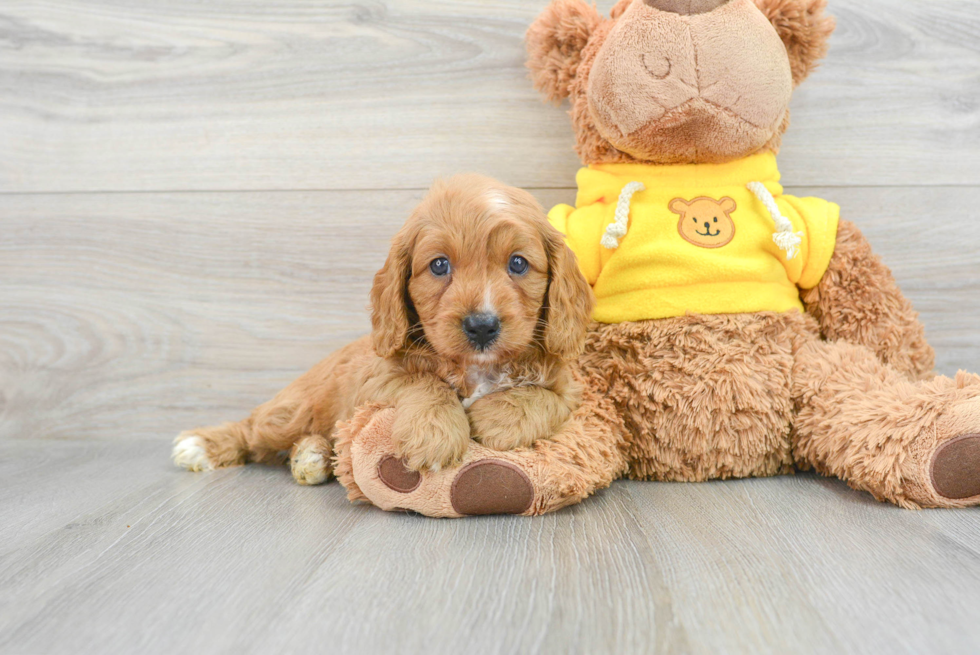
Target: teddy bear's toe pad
pixel 491 487
pixel 398 477
pixel 956 467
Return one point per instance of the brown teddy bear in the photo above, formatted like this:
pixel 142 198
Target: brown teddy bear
pixel 740 332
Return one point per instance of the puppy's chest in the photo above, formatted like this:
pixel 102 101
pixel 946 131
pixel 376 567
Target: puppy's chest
pixel 478 382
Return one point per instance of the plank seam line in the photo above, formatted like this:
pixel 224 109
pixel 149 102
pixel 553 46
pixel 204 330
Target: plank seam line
pixel 420 189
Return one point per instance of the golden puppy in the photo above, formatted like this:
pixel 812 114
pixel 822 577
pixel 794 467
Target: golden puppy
pixel 477 311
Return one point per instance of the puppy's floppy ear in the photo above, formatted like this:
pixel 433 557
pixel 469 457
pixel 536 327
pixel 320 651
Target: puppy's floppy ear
pixel 569 300
pixel 554 45
pixel 389 297
pixel 805 30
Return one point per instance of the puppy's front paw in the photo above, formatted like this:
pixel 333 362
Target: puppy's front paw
pixel 503 437
pixel 189 453
pixel 516 418
pixel 433 439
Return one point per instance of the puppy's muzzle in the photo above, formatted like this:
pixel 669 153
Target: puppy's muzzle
pixel 481 329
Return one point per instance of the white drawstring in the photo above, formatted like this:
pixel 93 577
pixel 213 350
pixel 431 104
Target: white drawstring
pixel 617 229
pixel 784 237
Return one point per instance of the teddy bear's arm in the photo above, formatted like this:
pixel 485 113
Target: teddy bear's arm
pixel 858 301
pixel 585 455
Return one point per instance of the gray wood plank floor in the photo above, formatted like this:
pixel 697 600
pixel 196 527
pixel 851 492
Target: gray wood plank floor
pixel 193 199
pixel 106 548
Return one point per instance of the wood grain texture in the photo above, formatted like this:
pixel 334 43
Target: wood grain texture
pixel 108 95
pixel 118 552
pixel 139 315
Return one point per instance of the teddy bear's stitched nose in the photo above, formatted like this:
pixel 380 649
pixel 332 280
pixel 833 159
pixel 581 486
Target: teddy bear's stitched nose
pixel 686 7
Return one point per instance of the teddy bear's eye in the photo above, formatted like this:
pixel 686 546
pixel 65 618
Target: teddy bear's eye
pixel 695 219
pixel 716 219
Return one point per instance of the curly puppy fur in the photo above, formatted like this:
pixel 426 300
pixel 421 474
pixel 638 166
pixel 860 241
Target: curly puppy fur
pixel 443 385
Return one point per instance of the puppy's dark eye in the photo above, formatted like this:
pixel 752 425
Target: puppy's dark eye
pixel 439 266
pixel 518 265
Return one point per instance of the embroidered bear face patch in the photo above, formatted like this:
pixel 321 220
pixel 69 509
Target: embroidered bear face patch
pixel 705 222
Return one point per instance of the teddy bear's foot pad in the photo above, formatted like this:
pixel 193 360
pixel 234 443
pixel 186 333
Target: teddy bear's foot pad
pixel 487 481
pixel 956 468
pixel 398 477
pixel 486 486
pixel 491 487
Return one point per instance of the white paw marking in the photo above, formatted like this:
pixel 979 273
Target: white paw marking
pixel 309 467
pixel 189 453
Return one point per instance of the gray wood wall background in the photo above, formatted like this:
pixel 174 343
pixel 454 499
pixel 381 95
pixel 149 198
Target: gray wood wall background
pixel 194 196
pixel 193 199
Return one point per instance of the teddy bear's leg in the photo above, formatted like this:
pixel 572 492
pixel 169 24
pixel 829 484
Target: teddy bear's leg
pixel 916 444
pixel 583 457
pixel 859 302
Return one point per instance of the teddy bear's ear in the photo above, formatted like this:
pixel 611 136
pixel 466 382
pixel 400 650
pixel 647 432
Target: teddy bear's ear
pixel 678 206
pixel 554 45
pixel 804 28
pixel 619 8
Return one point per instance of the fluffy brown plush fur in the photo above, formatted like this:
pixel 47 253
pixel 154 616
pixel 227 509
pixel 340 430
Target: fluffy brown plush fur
pixel 845 388
pixel 713 397
pixel 507 393
pixel 858 301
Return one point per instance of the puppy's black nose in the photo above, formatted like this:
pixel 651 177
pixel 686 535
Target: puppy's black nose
pixel 481 329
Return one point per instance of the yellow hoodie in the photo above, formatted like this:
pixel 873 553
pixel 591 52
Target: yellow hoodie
pixel 695 238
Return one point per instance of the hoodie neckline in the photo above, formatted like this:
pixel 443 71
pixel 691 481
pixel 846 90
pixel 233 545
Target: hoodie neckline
pixel 605 181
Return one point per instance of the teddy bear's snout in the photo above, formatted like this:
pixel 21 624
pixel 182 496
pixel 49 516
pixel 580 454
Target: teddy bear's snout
pixel 663 86
pixel 686 7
